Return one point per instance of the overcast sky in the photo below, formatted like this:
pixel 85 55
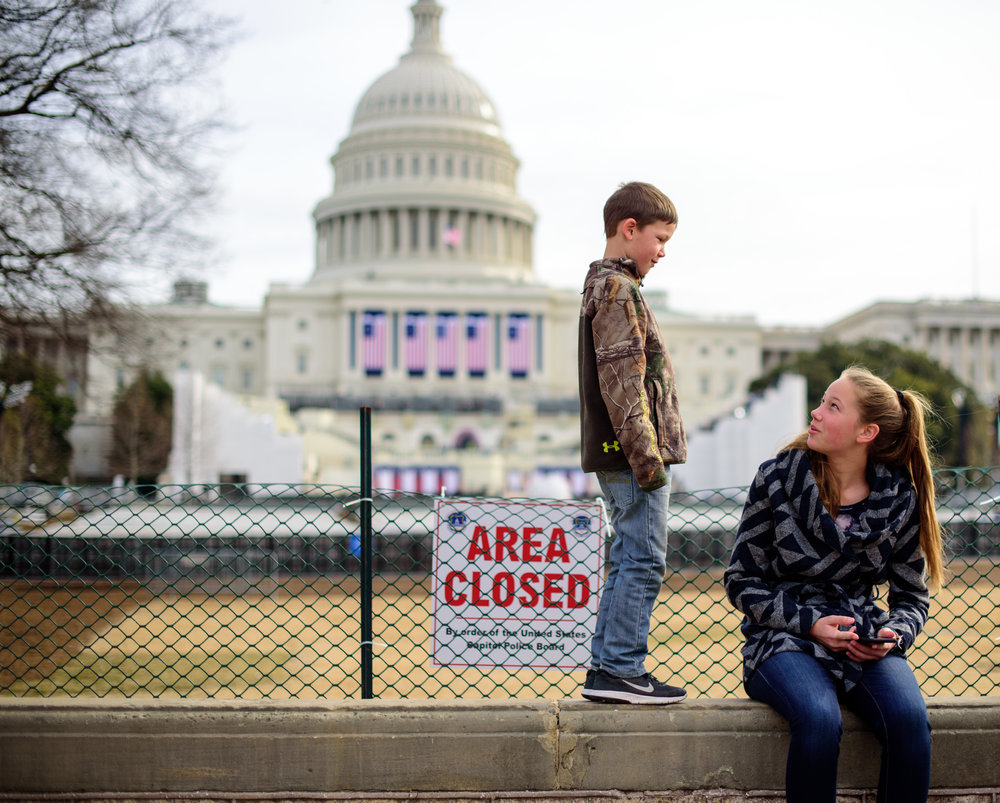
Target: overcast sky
pixel 822 155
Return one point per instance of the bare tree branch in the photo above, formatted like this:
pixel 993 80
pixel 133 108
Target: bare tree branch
pixel 105 139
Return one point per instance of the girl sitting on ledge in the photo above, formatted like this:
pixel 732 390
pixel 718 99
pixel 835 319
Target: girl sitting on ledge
pixel 844 508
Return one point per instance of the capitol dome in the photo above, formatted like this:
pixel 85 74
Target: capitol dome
pixel 424 182
pixel 426 87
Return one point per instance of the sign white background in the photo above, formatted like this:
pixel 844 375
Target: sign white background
pixel 516 584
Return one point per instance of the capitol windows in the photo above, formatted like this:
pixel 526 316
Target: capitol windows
pixel 465 167
pixel 375 232
pixel 395 231
pixel 470 233
pixel 219 376
pixel 491 232
pixel 432 166
pixel 449 166
pixel 432 228
pixel 370 169
pixel 302 363
pixel 248 344
pixel 219 343
pixel 399 166
pixel 415 166
pixel 414 216
pixel 383 167
pixel 247 379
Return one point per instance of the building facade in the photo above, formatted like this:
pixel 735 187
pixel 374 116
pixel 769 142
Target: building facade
pixel 963 336
pixel 424 305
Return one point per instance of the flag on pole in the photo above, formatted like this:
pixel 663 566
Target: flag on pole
pixel 447 343
pixel 518 344
pixel 416 343
pixel 373 342
pixel 477 342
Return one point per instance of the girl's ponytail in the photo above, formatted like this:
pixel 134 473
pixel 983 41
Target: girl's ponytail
pixel 916 458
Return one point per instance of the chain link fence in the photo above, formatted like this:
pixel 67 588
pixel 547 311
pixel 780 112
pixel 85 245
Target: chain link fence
pixel 243 591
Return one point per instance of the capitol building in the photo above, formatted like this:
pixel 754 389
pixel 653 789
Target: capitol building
pixel 424 305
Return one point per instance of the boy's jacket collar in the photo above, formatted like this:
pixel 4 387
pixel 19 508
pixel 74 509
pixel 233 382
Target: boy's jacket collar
pixel 624 264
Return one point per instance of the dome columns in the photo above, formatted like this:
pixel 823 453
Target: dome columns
pixel 423 231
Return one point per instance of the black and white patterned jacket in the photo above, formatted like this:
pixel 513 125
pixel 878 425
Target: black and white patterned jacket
pixel 792 564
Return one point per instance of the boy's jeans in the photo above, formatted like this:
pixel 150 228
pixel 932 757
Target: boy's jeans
pixel 638 560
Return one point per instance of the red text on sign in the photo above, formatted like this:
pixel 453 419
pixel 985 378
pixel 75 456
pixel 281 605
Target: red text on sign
pixel 549 590
pixel 524 547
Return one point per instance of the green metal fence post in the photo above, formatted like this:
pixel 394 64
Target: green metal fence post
pixel 365 513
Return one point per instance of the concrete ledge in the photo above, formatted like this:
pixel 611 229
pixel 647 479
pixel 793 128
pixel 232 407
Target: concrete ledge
pixel 86 747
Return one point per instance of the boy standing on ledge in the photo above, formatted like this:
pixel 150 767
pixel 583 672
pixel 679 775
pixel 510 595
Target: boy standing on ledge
pixel 631 433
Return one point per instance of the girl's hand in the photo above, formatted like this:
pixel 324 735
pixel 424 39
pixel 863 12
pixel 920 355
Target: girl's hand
pixel 827 632
pixel 857 651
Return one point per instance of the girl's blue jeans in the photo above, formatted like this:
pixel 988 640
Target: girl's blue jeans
pixel 637 562
pixel 887 698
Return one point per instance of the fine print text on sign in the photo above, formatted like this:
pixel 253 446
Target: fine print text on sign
pixel 516 583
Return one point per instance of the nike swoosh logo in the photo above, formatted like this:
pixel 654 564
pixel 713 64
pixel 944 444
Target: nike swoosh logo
pixel 647 688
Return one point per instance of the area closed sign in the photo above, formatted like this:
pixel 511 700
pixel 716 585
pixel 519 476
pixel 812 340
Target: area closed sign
pixel 516 584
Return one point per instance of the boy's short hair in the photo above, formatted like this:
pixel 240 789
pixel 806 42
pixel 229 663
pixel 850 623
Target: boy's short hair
pixel 638 200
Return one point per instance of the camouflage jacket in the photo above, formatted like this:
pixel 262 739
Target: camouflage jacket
pixel 629 415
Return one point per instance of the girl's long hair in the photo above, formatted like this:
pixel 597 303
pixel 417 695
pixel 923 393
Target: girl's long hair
pixel 901 441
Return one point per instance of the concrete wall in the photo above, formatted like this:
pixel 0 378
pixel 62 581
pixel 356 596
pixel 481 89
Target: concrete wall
pixel 719 750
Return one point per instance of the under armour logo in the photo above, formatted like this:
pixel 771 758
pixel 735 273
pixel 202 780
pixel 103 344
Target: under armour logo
pixel 611 446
